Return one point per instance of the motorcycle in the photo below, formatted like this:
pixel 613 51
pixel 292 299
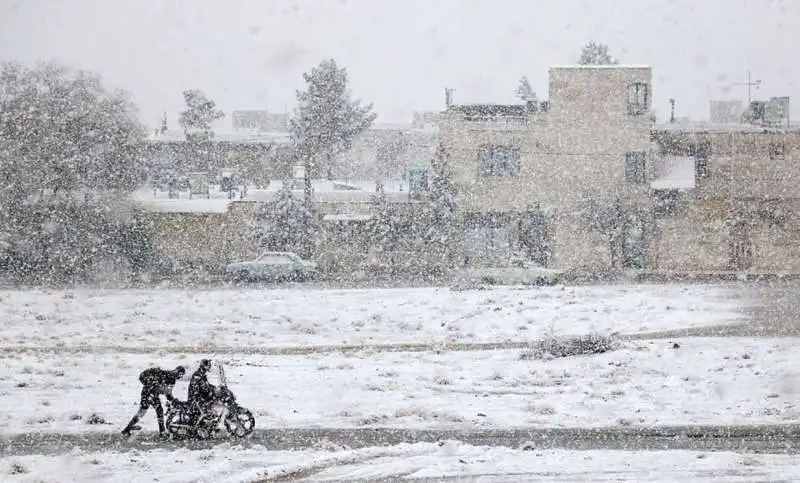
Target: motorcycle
pixel 185 421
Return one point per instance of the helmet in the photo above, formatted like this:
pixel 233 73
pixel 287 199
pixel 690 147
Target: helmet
pixel 180 371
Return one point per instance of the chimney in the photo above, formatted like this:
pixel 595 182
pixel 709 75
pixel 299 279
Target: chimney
pixel 448 97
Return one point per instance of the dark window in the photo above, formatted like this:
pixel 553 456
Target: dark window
pixel 638 99
pixel 636 168
pixel 417 182
pixel 498 160
pixel 701 152
pixel 665 202
pixel 777 151
pixel 701 166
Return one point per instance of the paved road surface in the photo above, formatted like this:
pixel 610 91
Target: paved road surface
pixel 766 439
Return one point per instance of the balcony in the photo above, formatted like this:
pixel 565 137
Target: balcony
pixel 497 117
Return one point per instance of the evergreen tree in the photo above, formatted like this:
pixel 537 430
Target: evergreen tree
pixel 596 54
pixel 288 224
pixel 380 228
pixel 524 90
pixel 442 230
pixel 196 121
pixel 326 119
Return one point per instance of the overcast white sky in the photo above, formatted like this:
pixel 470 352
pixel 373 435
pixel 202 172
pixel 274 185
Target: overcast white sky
pixel 250 54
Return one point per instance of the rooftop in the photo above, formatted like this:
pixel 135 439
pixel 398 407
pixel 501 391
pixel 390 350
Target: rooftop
pixel 719 127
pixel 324 192
pixel 605 66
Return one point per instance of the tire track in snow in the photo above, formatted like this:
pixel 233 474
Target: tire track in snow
pixel 738 330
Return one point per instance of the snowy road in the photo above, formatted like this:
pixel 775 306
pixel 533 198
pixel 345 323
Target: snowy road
pixel 783 438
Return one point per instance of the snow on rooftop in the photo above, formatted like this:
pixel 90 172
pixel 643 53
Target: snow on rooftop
pixel 242 136
pixel 348 217
pixel 674 172
pixel 605 66
pixel 723 127
pixel 359 191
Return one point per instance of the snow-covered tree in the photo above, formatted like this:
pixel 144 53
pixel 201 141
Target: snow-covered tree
pixel 381 232
pixel 162 128
pixel 62 130
pixel 618 222
pixel 524 90
pixel 288 223
pixel 388 152
pixel 442 230
pixel 326 119
pixel 69 153
pixel 200 113
pixel 595 53
pixel 196 121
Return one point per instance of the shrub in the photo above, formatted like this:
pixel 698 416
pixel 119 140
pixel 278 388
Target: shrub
pixel 556 347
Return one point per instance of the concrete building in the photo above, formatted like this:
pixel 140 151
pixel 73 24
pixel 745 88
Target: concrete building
pixel 532 176
pixel 725 111
pixel 739 209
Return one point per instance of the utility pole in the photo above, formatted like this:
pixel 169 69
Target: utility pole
pixel 750 84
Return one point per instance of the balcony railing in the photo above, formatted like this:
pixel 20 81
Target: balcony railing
pixel 515 123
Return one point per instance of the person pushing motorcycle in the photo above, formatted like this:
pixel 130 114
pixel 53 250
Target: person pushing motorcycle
pixel 201 392
pixel 155 382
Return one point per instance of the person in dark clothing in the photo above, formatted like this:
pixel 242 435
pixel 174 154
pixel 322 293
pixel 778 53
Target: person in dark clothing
pixel 155 382
pixel 201 392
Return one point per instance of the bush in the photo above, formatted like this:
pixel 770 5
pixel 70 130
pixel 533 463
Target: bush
pixel 556 347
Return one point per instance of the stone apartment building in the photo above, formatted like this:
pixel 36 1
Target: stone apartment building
pixel 531 175
pixel 738 210
pixel 586 182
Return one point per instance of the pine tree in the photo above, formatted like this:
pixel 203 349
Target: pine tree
pixel 326 119
pixel 288 223
pixel 524 90
pixel 380 227
pixel 163 127
pixel 596 54
pixel 442 206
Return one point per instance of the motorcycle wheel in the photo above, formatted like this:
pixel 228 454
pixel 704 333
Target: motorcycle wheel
pixel 240 423
pixel 179 424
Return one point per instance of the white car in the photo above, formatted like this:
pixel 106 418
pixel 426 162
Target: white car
pixel 272 266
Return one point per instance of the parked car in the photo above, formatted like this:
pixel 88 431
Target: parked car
pixel 272 266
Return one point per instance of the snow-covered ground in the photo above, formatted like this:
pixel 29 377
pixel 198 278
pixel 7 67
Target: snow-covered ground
pixel 264 318
pixel 704 381
pixel 447 460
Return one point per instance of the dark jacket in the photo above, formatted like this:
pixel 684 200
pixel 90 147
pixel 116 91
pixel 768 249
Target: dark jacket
pixel 199 387
pixel 159 381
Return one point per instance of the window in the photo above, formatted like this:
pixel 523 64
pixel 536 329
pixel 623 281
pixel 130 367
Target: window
pixel 498 160
pixel 701 166
pixel 636 168
pixel 638 99
pixel 665 202
pixel 701 152
pixel 417 181
pixel 777 151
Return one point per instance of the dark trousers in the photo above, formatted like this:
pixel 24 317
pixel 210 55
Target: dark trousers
pixel 149 400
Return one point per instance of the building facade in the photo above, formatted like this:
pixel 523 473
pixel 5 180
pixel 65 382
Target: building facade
pixel 740 212
pixel 531 177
